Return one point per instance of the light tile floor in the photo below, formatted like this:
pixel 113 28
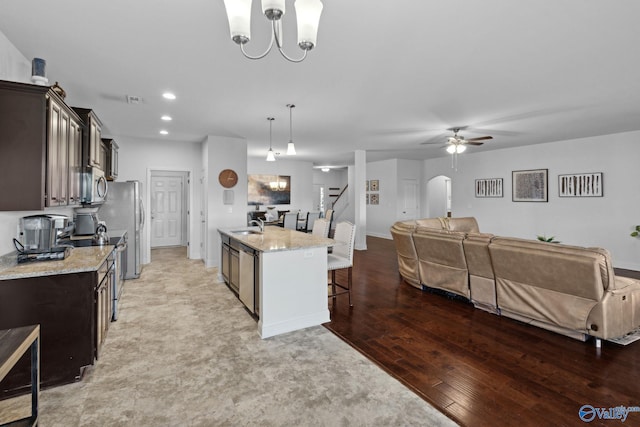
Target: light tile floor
pixel 184 352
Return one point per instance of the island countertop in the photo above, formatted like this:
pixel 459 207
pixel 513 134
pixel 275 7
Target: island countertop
pixel 79 260
pixel 275 239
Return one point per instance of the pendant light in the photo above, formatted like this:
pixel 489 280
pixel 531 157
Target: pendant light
pixel 291 149
pixel 270 156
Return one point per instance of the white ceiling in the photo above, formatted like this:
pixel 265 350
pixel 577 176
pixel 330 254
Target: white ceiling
pixel 384 77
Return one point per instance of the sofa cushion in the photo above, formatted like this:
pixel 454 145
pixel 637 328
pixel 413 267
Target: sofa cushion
pixel 406 252
pixel 583 272
pixel 476 249
pixel 441 260
pixel 463 224
pixel 552 283
pixel 437 223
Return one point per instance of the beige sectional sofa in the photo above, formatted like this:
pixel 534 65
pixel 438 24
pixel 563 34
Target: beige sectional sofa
pixel 566 289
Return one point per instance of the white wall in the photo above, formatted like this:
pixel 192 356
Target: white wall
pixel 588 221
pixel 14 66
pixel 137 157
pixel 380 217
pixel 301 174
pixel 223 153
pixel 436 205
pixel 390 174
pixel 335 178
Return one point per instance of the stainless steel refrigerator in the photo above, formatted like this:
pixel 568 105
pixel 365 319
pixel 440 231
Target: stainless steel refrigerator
pixel 124 210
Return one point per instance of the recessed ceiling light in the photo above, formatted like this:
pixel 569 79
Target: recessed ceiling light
pixel 169 95
pixel 164 132
pixel 166 118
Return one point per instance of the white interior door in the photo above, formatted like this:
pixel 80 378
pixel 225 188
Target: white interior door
pixel 203 217
pixel 409 200
pixel 166 210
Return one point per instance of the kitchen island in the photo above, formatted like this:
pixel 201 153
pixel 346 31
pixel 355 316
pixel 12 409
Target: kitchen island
pixel 289 289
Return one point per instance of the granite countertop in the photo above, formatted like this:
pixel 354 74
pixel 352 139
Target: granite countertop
pixel 277 239
pixel 79 260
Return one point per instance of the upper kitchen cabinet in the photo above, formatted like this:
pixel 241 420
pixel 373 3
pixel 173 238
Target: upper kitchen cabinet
pixel 111 162
pixel 92 151
pixel 39 148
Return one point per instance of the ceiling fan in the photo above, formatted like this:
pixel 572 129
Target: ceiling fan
pixel 457 143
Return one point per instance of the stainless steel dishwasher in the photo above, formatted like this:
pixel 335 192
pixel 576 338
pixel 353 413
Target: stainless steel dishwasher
pixel 234 265
pixel 247 291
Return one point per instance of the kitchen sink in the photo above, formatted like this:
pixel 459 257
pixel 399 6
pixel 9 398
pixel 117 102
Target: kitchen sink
pixel 246 232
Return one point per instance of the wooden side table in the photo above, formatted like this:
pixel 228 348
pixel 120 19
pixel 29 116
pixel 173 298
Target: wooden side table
pixel 13 344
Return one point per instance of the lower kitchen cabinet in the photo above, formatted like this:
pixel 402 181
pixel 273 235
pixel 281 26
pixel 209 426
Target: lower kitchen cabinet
pixel 73 311
pixel 240 271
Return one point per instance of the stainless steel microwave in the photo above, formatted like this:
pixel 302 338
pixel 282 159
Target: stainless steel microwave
pixel 95 187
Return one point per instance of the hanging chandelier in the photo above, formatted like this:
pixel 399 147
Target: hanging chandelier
pixel 270 156
pixel 308 16
pixel 291 148
pixel 278 185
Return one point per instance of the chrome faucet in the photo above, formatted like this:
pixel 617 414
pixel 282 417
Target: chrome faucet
pixel 259 222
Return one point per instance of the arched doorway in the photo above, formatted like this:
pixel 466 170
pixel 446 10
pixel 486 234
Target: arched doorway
pixel 438 197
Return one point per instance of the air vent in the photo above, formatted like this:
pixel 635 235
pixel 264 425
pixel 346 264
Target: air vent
pixel 132 99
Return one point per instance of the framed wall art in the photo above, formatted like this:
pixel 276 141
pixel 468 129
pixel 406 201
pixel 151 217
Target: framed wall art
pixel 580 185
pixel 269 190
pixel 374 185
pixel 367 186
pixel 374 199
pixel 530 185
pixel 489 187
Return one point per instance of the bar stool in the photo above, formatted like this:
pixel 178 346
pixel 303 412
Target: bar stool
pixel 342 258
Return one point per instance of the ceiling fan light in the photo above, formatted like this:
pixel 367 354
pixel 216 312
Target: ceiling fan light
pixel 239 16
pixel 291 149
pixel 308 15
pixel 451 149
pixel 460 148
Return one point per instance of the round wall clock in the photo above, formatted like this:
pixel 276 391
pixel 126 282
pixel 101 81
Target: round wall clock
pixel 228 178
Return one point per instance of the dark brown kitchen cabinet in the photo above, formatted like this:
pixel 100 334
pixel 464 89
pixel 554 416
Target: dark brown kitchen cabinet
pixel 73 311
pixel 92 152
pixel 111 163
pixel 75 163
pixel 36 147
pixel 103 301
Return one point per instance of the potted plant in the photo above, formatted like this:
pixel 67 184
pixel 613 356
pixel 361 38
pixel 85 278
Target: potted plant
pixel 548 239
pixel 636 232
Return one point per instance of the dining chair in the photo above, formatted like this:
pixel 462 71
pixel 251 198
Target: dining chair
pixel 320 228
pixel 307 225
pixel 342 258
pixel 329 216
pixel 291 220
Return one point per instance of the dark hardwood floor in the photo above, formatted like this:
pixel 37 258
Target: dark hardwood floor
pixel 478 368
